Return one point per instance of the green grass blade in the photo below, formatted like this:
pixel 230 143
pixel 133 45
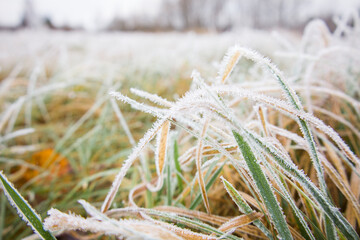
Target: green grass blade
pixel 168 183
pixel 244 206
pixel 312 219
pixel 330 229
pixel 189 223
pixel 289 201
pixel 24 209
pixel 177 167
pixel 306 131
pixel 304 126
pixel 317 234
pixel 2 215
pixel 264 187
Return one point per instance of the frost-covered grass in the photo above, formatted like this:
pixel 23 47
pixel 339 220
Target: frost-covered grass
pixel 248 147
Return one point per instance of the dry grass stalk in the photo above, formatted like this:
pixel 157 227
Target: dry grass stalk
pixel 240 221
pixel 198 168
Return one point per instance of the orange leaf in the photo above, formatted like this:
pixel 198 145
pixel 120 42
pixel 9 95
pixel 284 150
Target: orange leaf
pixel 48 159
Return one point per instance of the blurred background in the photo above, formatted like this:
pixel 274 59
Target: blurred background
pixel 169 15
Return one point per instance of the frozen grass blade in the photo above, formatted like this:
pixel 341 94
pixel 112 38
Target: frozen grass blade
pixel 130 229
pixel 281 106
pixel 295 102
pixel 160 155
pixel 264 187
pixel 244 206
pixel 189 222
pixel 24 209
pixel 197 200
pixel 202 216
pixel 228 64
pixel 305 128
pixel 240 221
pixel 152 97
pixel 129 161
pixel 261 112
pixel 186 218
pixel 198 168
pixel 122 121
pixel 284 192
pixel 162 147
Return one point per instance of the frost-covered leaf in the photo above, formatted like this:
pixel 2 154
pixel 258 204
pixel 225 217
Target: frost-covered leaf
pixel 264 187
pixel 244 206
pixel 24 209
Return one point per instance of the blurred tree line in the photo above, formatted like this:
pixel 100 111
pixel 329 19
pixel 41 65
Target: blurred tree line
pixel 225 15
pixel 209 15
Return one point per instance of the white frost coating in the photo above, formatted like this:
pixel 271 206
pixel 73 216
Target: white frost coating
pixel 124 228
pixel 228 63
pixel 136 105
pixel 122 121
pixel 14 115
pixel 152 97
pixel 184 103
pixel 17 133
pixel 288 110
pixel 129 161
pixel 9 111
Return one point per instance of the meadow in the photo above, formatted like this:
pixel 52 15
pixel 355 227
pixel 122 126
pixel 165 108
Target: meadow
pixel 248 135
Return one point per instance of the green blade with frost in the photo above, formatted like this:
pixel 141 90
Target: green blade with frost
pixel 244 206
pixel 264 188
pixel 305 129
pixel 191 223
pixel 168 184
pixel 24 209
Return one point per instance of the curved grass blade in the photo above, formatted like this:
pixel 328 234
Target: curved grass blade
pixel 306 131
pixel 244 206
pixel 24 209
pixel 160 155
pixel 239 221
pixel 284 191
pixel 197 200
pixel 206 228
pixel 264 187
pixel 198 168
